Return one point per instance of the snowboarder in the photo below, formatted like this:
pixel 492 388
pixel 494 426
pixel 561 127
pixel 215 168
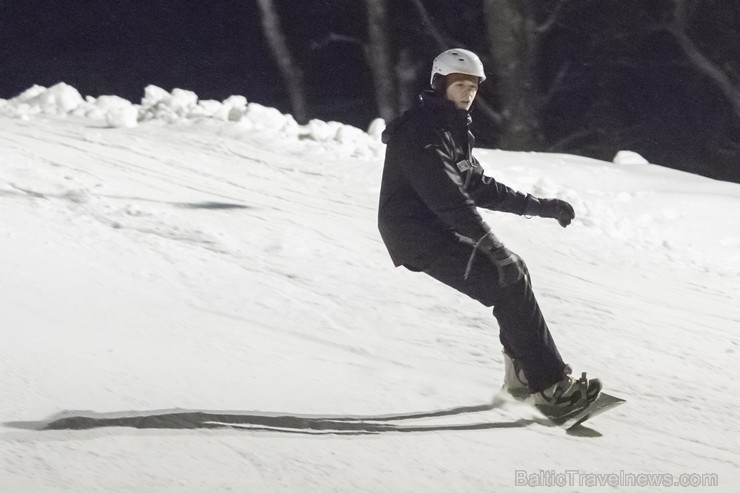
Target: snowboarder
pixel 428 219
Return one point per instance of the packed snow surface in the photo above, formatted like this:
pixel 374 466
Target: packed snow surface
pixel 178 263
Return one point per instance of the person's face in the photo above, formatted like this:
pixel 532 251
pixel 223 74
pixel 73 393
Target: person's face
pixel 462 92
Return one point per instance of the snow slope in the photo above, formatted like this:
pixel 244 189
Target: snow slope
pixel 172 267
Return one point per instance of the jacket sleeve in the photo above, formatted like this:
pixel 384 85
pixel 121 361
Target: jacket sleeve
pixel 495 196
pixel 434 177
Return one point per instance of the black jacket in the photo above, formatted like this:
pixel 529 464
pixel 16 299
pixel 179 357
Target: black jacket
pixel 432 184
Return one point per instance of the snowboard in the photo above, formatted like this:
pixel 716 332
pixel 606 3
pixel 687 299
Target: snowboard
pixel 603 403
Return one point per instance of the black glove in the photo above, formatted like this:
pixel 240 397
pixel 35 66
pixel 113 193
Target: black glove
pixel 553 208
pixel 510 266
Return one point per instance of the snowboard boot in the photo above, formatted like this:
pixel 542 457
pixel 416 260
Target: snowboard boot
pixel 515 383
pixel 568 396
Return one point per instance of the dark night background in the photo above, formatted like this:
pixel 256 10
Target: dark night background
pixel 628 87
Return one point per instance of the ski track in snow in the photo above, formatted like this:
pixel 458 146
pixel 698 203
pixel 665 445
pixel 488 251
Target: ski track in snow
pixel 196 267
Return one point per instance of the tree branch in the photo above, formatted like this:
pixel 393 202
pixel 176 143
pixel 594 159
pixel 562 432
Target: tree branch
pixel 706 66
pixel 564 143
pixel 682 12
pixel 335 38
pixel 426 19
pixel 552 19
pixel 556 84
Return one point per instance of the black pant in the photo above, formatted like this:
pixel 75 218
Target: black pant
pixel 523 331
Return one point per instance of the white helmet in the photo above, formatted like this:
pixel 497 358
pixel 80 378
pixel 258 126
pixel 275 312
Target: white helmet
pixel 457 61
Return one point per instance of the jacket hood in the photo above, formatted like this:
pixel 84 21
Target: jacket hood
pixel 428 100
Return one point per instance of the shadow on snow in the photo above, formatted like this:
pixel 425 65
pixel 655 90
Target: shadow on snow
pixel 285 423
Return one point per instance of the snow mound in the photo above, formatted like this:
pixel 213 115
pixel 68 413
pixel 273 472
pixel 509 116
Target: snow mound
pixel 59 99
pixel 322 131
pixel 629 158
pixel 63 99
pixel 117 112
pixel 376 128
pixel 184 107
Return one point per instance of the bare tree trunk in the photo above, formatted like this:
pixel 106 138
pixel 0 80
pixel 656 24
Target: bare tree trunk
pixel 406 71
pixel 292 74
pixel 379 56
pixel 513 39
